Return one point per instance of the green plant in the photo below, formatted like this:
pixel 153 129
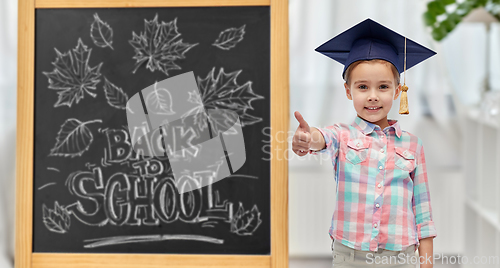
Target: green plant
pixel 442 16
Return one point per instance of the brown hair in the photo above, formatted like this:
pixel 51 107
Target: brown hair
pixel 356 63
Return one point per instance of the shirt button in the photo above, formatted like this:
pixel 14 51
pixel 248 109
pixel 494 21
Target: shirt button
pixel 375 225
pixel 379 185
pixel 381 150
pixel 381 167
pixel 377 205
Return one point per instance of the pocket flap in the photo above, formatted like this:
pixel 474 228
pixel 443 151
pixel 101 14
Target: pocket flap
pixel 405 153
pixel 358 144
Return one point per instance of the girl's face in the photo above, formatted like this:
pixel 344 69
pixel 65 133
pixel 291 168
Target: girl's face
pixel 372 89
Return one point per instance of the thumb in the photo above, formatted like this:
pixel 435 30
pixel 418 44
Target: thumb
pixel 302 123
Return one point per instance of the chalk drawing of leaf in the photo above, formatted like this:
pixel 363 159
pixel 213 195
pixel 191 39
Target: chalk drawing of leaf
pixel 159 101
pixel 200 117
pixel 221 121
pixel 223 92
pixel 249 119
pixel 56 220
pixel 101 33
pixel 159 46
pixel 72 75
pixel 245 222
pixel 229 38
pixel 73 139
pixel 115 95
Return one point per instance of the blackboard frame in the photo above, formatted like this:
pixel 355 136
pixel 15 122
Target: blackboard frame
pixel 25 142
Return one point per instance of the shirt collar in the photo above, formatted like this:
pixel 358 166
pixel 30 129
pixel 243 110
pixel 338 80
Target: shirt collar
pixel 366 127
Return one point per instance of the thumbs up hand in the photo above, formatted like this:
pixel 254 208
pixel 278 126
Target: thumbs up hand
pixel 302 138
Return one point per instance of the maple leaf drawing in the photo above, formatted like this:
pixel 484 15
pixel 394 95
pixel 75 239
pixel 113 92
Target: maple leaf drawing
pixel 73 139
pixel 229 38
pixel 159 46
pixel 223 92
pixel 101 33
pixel 72 75
pixel 56 220
pixel 245 222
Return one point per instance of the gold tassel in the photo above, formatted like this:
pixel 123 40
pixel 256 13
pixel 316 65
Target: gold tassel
pixel 403 105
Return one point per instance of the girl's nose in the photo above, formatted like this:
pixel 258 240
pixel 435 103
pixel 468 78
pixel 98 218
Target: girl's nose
pixel 372 98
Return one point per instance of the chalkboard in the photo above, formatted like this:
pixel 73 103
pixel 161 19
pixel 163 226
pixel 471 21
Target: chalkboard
pixel 92 192
pixel 86 69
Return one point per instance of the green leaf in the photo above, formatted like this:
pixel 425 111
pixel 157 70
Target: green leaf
pixel 436 7
pixel 447 2
pixel 429 18
pixel 464 8
pixel 448 25
pixel 455 18
pixel 478 3
pixel 438 33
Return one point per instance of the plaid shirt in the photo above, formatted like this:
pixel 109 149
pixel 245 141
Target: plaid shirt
pixel 383 198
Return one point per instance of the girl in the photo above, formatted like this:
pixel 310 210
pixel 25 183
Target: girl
pixel 383 211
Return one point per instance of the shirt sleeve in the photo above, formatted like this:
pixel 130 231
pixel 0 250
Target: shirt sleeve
pixel 422 197
pixel 331 135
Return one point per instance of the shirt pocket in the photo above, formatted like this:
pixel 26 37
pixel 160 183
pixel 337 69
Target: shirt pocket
pixel 405 159
pixel 357 151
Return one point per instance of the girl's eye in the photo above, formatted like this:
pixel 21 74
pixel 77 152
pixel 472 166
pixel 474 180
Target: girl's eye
pixel 363 87
pixel 384 86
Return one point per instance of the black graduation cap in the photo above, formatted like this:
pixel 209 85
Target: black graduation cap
pixel 369 40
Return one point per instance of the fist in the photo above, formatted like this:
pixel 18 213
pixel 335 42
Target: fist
pixel 302 138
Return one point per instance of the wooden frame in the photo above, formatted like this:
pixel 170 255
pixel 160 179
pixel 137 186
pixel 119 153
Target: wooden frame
pixel 25 126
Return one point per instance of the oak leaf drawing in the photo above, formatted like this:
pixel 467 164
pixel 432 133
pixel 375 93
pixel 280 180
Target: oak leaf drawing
pixel 229 38
pixel 73 139
pixel 57 219
pixel 101 33
pixel 159 46
pixel 223 92
pixel 245 222
pixel 72 75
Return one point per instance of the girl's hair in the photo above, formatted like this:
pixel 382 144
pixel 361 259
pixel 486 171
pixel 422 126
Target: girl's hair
pixel 356 63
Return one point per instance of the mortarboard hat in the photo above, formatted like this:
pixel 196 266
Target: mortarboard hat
pixel 369 40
